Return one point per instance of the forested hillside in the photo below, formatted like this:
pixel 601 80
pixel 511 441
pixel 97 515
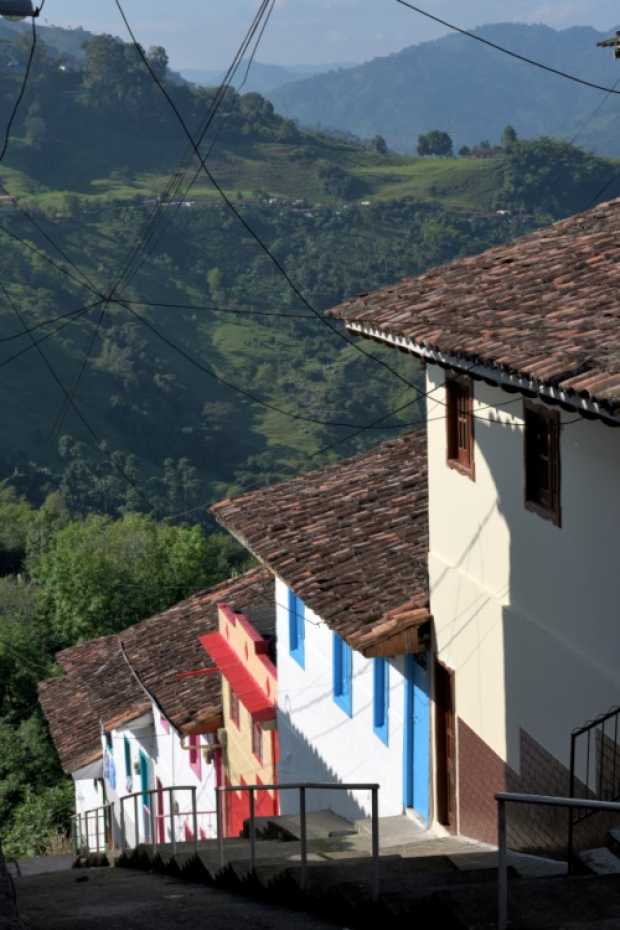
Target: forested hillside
pixel 470 90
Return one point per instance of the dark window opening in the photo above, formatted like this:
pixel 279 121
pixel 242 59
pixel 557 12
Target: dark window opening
pixel 542 461
pixel 460 424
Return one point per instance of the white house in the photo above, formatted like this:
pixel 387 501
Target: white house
pixel 137 714
pixel 491 586
pixel 348 545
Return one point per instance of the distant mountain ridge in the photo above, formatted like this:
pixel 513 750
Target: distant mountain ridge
pixel 263 77
pixel 472 91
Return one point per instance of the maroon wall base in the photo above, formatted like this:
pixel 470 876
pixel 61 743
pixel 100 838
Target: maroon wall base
pixel 482 773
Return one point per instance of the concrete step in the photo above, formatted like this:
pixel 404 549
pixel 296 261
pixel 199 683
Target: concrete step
pixel 583 902
pixel 600 861
pixel 320 825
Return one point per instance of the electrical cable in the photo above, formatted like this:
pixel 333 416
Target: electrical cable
pixel 22 91
pixel 55 319
pixel 182 197
pixel 246 225
pixel 229 384
pixel 85 423
pixel 216 309
pixel 55 332
pixel 109 297
pixel 507 51
pixel 595 112
pixel 176 180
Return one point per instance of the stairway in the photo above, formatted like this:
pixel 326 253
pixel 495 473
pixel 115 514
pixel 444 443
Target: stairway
pixel 603 860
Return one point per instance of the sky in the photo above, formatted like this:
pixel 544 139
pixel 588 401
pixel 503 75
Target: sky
pixel 206 33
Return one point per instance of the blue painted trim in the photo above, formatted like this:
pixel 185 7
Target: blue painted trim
pixel 416 748
pixel 381 699
pixel 144 779
pixel 127 747
pixel 296 628
pixel 343 675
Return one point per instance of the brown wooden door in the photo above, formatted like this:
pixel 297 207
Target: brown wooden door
pixel 445 746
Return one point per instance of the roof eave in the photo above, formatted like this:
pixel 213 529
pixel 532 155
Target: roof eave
pixel 588 407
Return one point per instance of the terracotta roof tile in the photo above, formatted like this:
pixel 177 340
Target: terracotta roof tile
pixel 544 307
pixel 351 539
pixel 98 685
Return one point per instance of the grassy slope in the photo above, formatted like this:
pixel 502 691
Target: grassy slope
pixel 288 172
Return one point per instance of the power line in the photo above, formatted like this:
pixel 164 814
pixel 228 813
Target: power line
pixel 249 229
pixel 55 319
pixel 109 297
pixel 176 179
pixel 181 197
pixel 593 114
pixel 55 332
pixel 229 384
pixel 507 51
pixel 22 91
pixel 217 309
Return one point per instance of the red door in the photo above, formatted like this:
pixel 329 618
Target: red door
pixel 237 810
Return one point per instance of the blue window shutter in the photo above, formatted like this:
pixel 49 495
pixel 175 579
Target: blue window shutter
pixel 292 621
pixel 128 771
pixel 381 698
pixel 343 658
pixel 296 627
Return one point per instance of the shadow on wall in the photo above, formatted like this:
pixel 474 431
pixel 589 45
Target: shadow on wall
pixel 556 636
pixel 300 762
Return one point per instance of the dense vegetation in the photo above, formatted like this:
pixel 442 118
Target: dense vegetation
pixel 456 84
pixel 74 579
pixel 103 512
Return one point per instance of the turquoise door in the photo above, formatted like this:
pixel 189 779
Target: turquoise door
pixel 417 736
pixel 146 798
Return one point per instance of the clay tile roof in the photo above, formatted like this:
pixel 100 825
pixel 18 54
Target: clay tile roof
pixel 351 539
pixel 546 306
pixel 98 685
pixel 164 645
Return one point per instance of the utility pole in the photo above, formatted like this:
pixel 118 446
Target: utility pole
pixel 614 43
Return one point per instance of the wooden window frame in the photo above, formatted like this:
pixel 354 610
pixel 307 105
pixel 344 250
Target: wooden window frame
pixel 235 714
pixel 552 512
pixel 456 458
pixel 257 741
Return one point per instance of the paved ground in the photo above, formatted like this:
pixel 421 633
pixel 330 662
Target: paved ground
pixel 119 899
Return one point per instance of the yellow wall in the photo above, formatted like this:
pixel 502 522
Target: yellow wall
pixel 239 760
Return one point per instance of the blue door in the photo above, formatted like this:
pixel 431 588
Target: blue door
pixel 146 798
pixel 417 736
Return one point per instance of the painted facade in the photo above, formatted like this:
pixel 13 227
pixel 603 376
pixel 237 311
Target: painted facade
pixel 249 740
pixel 320 740
pixel 524 610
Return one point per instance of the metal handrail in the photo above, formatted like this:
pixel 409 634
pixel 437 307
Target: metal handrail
pixel 541 800
pixel 302 787
pixel 596 724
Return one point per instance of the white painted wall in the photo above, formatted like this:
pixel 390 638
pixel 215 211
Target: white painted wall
pixel 318 740
pixel 169 763
pixel 526 613
pixel 88 785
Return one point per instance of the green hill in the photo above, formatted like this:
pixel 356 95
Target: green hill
pixel 92 151
pixel 456 84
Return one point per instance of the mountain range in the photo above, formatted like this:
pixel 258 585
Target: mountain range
pixel 262 77
pixel 471 91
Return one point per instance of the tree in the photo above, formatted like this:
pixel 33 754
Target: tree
pixel 509 137
pixel 435 142
pixel 380 145
pixel 158 59
pixel 101 575
pixel 464 151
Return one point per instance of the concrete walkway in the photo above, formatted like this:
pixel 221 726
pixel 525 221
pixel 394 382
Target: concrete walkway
pixel 115 899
